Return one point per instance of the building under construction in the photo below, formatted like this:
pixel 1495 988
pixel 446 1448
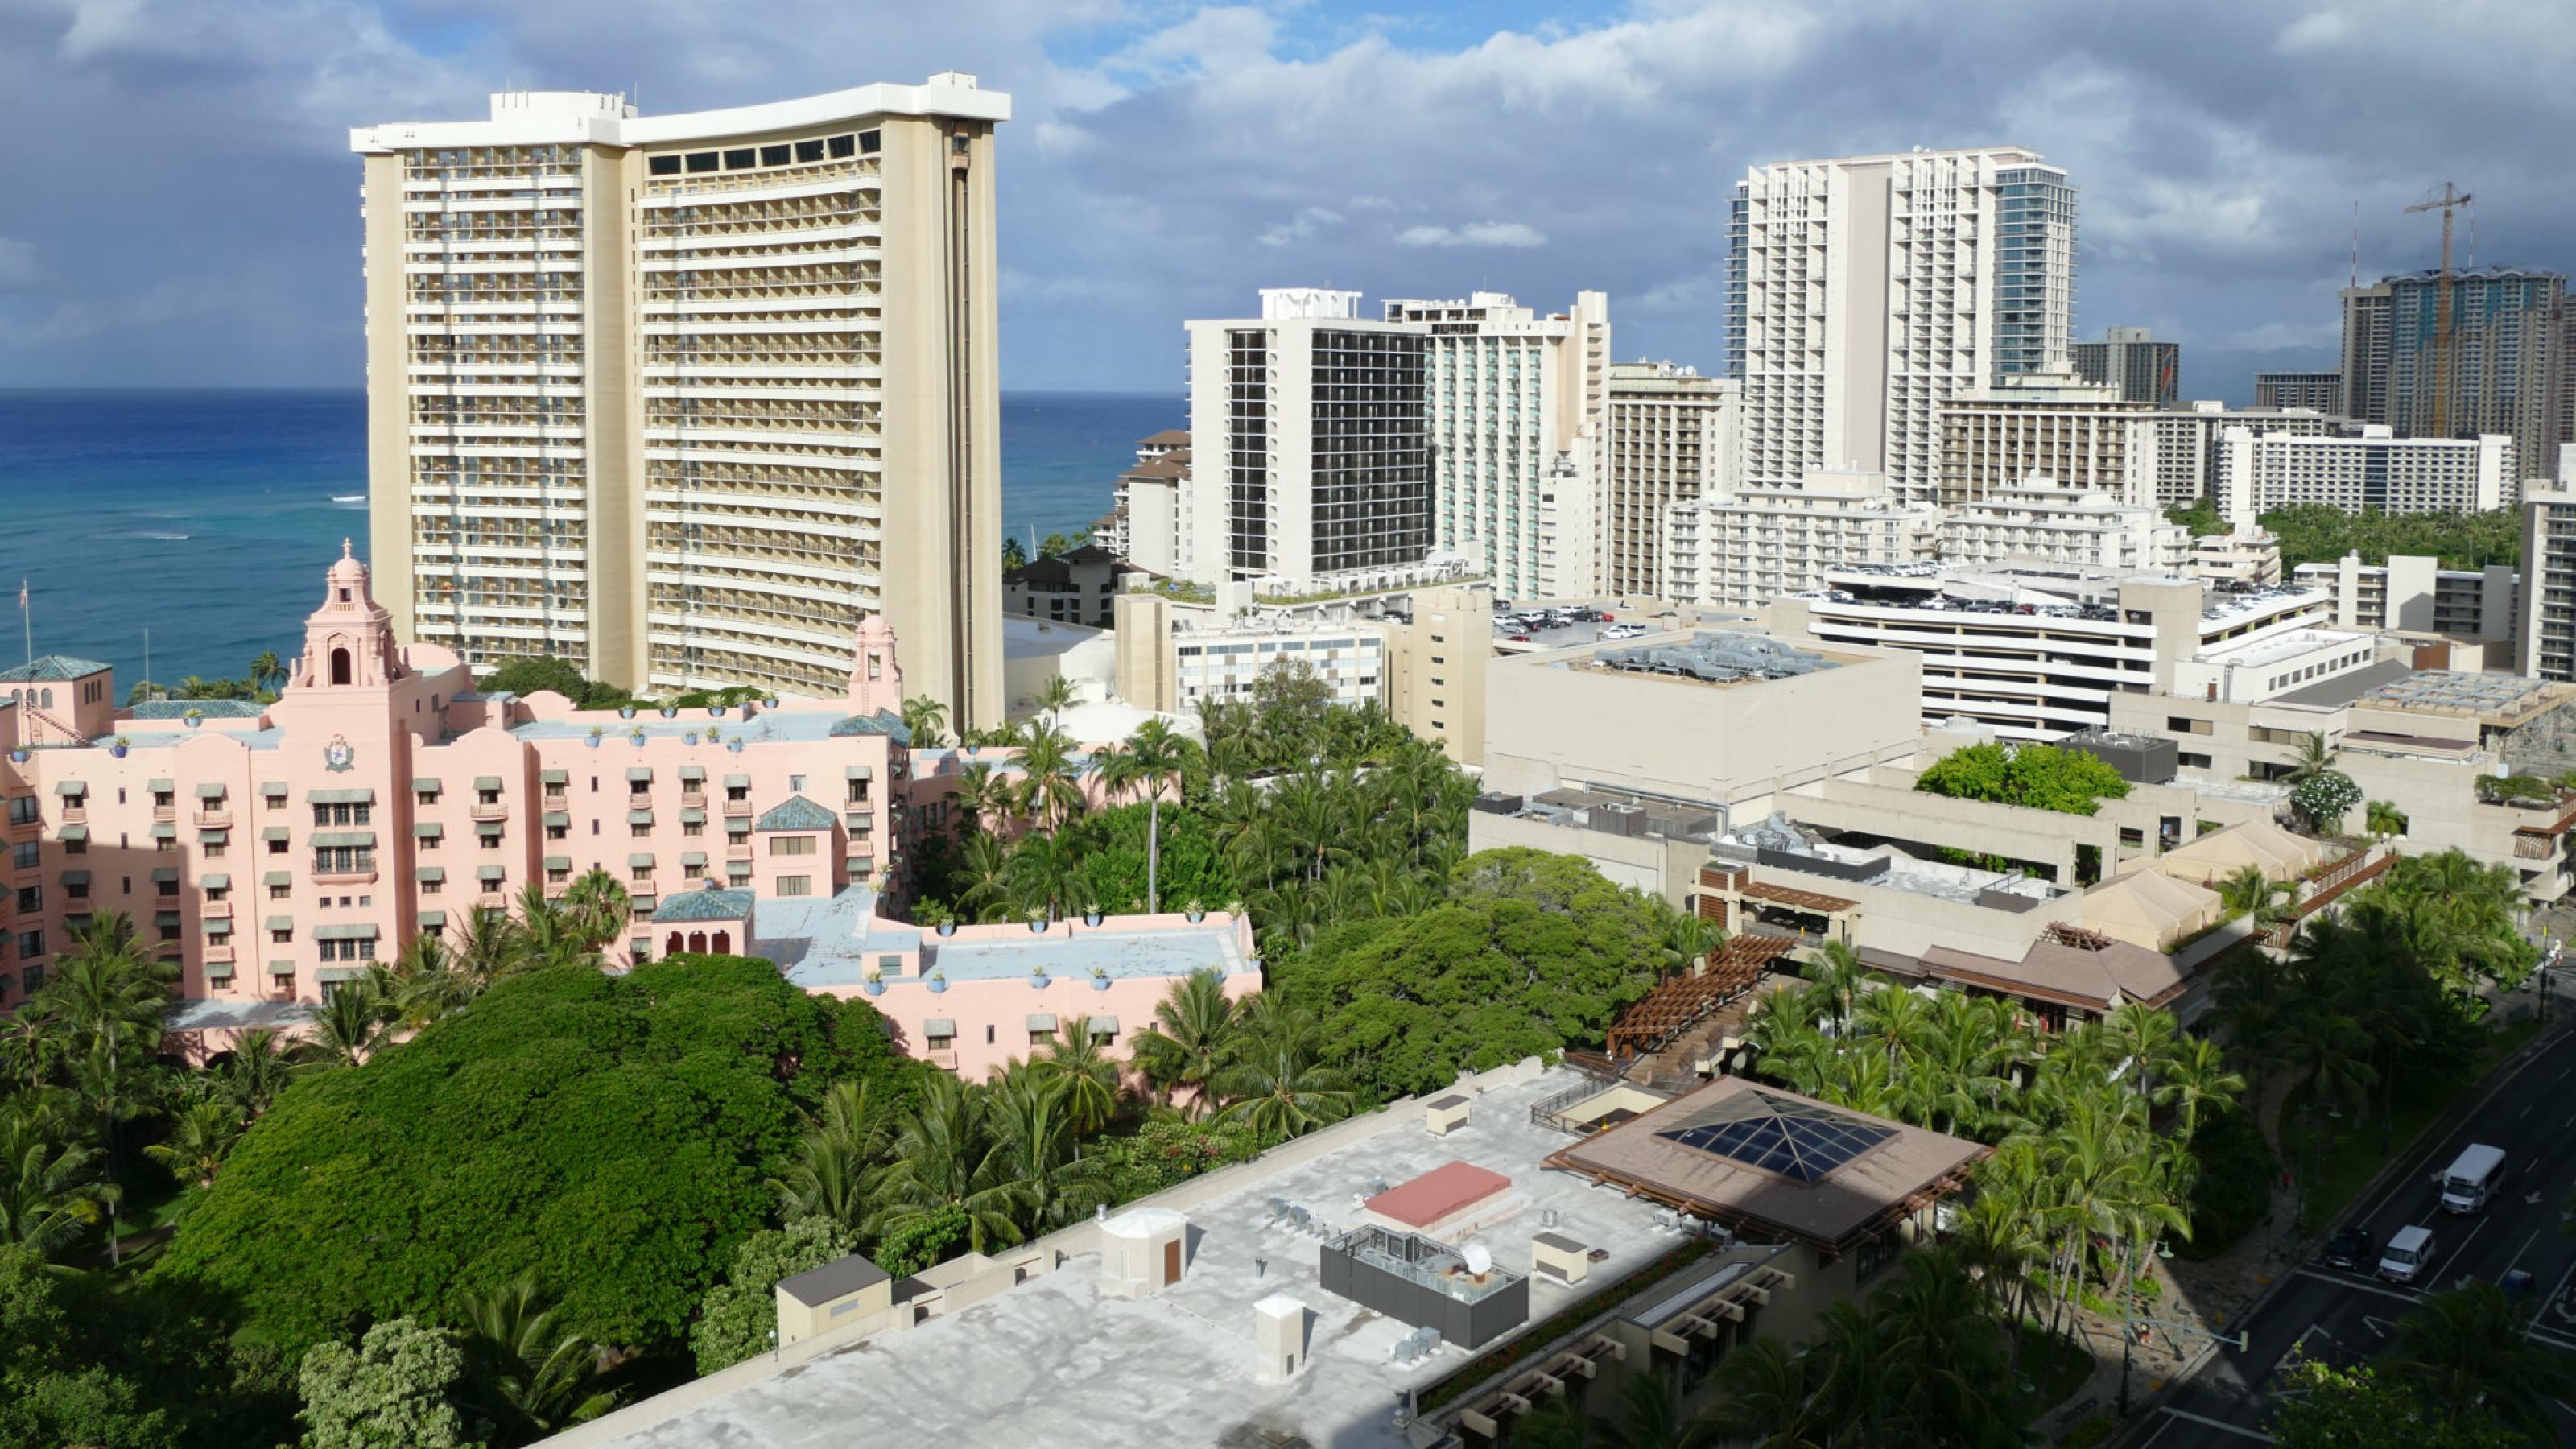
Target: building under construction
pixel 2508 370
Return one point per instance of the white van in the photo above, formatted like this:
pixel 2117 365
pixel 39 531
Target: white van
pixel 2473 1179
pixel 2409 1249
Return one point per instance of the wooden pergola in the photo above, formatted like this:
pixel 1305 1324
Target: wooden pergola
pixel 1682 1001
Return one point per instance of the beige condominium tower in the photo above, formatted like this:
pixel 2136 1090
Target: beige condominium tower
pixel 681 399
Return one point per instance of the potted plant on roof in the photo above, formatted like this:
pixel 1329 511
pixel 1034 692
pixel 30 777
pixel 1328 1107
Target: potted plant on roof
pixel 1037 975
pixel 1037 923
pixel 938 982
pixel 939 918
pixel 18 755
pixel 194 716
pixel 1193 911
pixel 1091 914
pixel 1099 978
pixel 626 711
pixel 769 701
pixel 690 738
pixel 876 982
pixel 636 735
pixel 670 711
pixel 734 744
pixel 597 733
pixel 715 711
pixel 120 745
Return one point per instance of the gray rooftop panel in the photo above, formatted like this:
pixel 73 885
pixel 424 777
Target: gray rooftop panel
pixel 819 1286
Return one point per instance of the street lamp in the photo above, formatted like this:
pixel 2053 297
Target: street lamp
pixel 2130 1324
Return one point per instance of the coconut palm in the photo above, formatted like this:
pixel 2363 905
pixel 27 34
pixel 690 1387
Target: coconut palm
pixel 1278 1082
pixel 108 1003
pixel 1032 1115
pixel 923 719
pixel 1045 876
pixel 982 798
pixel 350 1025
pixel 266 669
pixel 1050 788
pixel 984 869
pixel 2466 1347
pixel 2195 1075
pixel 200 1136
pixel 1073 1060
pixel 47 1194
pixel 953 1154
pixel 1835 980
pixel 596 907
pixel 532 1377
pixel 2383 819
pixel 1150 762
pixel 426 983
pixel 489 946
pixel 1199 1028
pixel 1765 1398
pixel 837 1162
pixel 2250 893
pixel 1052 698
pixel 2315 757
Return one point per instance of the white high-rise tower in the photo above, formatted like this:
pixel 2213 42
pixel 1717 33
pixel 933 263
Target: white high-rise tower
pixel 1863 292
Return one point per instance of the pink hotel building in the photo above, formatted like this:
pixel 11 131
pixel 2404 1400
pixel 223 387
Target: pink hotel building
pixel 273 851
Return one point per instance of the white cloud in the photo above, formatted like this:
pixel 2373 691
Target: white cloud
pixel 1308 223
pixel 1474 234
pixel 18 268
pixel 2317 30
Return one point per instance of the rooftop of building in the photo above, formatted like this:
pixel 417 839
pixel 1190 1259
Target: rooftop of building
pixel 834 941
pixel 180 709
pixel 609 119
pixel 1055 1361
pixel 1723 657
pixel 1167 438
pixel 2495 698
pixel 2336 691
pixel 51 669
pixel 2070 965
pixel 2278 648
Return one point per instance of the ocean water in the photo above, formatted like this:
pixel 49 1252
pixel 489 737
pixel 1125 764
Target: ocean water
pixel 208 517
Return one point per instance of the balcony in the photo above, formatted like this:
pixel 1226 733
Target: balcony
pixel 693 799
pixel 166 813
pixel 75 815
pixel 738 850
pixel 495 811
pixel 944 1059
pixel 217 911
pixel 344 877
pixel 219 954
pixel 213 817
pixel 737 807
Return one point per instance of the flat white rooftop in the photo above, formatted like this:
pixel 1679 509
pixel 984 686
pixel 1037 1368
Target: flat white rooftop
pixel 559 118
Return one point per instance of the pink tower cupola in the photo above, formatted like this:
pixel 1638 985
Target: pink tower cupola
pixel 349 641
pixel 876 681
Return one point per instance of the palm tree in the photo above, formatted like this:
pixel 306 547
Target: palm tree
pixel 200 1137
pixel 1089 1078
pixel 532 1376
pixel 2315 757
pixel 2195 1073
pixel 981 798
pixel 951 1154
pixel 923 719
pixel 1045 875
pixel 490 946
pixel 1277 1082
pixel 1150 761
pixel 46 1195
pixel 835 1171
pixel 265 669
pixel 2249 892
pixel 1032 1116
pixel 2466 1347
pixel 1199 1029
pixel 426 983
pixel 985 868
pixel 1050 788
pixel 257 1070
pixel 1052 698
pixel 1835 981
pixel 596 907
pixel 350 1024
pixel 1764 1397
pixel 109 1002
pixel 2383 819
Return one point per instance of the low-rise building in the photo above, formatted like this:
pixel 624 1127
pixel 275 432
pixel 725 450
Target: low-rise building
pixel 2183 443
pixel 2040 518
pixel 1746 549
pixel 2413 594
pixel 2373 469
pixel 1079 586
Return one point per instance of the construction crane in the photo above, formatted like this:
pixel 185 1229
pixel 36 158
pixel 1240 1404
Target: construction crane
pixel 2449 202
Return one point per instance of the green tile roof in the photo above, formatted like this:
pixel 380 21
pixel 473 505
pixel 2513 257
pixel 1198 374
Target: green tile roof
pixel 52 669
pixel 704 905
pixel 206 708
pixel 884 722
pixel 796 813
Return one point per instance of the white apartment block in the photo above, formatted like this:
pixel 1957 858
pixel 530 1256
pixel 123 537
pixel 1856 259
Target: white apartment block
pixel 1514 404
pixel 1759 544
pixel 2048 521
pixel 2413 594
pixel 2182 444
pixel 2048 422
pixel 1671 442
pixel 2370 470
pixel 1309 457
pixel 2547 637
pixel 683 398
pixel 1864 292
pixel 2039 651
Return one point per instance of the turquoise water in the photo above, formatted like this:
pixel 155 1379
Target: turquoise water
pixel 208 517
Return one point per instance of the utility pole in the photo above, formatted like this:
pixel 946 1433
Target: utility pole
pixel 2448 203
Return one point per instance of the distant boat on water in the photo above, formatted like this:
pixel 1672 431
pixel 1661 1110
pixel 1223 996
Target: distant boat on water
pixel 348 497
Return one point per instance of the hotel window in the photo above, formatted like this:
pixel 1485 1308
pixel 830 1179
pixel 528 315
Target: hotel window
pixel 940 1042
pixel 343 814
pixel 1041 1037
pixel 23 856
pixel 277 845
pixel 33 978
pixel 219 893
pixel 692 870
pixel 791 845
pixel 349 950
pixel 432 885
pixel 164 799
pixel 638 830
pixel 166 885
pixel 639 788
pixel 428 794
pixel 170 929
pixel 76 889
pixel 214 849
pixel 693 827
pixel 858 792
pixel 639 873
pixel 281 892
pixel 283 936
pixel 343 859
pixel 558 832
pixel 31 898
pixel 796 885
pixel 79 845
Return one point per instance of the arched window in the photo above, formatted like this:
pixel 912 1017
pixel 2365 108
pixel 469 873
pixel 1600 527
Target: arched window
pixel 339 666
pixel 674 946
pixel 697 940
pixel 724 943
pixel 49 699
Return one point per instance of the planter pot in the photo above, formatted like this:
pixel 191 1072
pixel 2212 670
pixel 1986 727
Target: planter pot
pixel 593 742
pixel 626 711
pixel 875 988
pixel 19 757
pixel 1194 917
pixel 691 737
pixel 636 739
pixel 1092 918
pixel 936 985
pixel 670 711
pixel 194 721
pixel 715 711
pixel 1040 983
pixel 769 701
pixel 948 928
pixel 116 750
pixel 1099 983
pixel 1038 928
pixel 734 745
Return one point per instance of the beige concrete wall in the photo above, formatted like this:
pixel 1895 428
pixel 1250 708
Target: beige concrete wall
pixel 389 525
pixel 613 418
pixel 1437 670
pixel 1548 726
pixel 1643 862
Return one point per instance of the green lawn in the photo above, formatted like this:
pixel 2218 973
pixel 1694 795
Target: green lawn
pixel 2350 1151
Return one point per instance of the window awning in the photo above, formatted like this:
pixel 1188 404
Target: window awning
pixel 860 772
pixel 346 839
pixel 488 829
pixel 281 923
pixel 638 772
pixel 215 881
pixel 737 782
pixel 167 872
pixel 219 926
pixel 558 862
pixel 736 825
pixel 640 858
pixel 281 968
pixel 639 817
pixel 75 877
pixel 339 974
pixel 693 773
pixel 210 792
pixel 362 795
pixel 939 1026
pixel 214 837
pixel 693 857
pixel 554 777
pixel 643 902
pixel 738 869
pixel 426 785
pixel 359 931
pixel 273 789
pixel 561 818
pixel 692 815
pixel 162 787
pixel 1041 1021
pixel 278 878
pixel 70 787
pixel 433 920
pixel 219 971
pixel 489 873
pixel 165 918
pixel 428 873
pixel 1107 1024
pixel 428 829
pixel 272 832
pixel 165 832
pixel 487 782
pixel 73 832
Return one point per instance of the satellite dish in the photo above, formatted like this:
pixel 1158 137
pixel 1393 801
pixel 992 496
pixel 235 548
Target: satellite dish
pixel 1479 1261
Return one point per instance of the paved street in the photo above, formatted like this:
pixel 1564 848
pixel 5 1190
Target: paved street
pixel 2343 1316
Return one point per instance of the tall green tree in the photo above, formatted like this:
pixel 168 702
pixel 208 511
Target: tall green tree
pixel 2040 777
pixel 396 1390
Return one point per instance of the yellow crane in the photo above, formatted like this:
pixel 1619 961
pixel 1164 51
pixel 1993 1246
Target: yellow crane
pixel 2449 202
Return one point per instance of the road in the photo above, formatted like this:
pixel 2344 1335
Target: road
pixel 2346 1316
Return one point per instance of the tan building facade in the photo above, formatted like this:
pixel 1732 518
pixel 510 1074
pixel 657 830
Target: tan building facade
pixel 1671 441
pixel 684 398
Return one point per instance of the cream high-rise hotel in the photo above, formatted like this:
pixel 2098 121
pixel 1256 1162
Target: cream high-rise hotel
pixel 681 399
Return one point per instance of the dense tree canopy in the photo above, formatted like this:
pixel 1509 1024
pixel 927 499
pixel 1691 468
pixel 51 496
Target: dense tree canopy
pixel 1533 953
pixel 2319 533
pixel 2041 777
pixel 611 1135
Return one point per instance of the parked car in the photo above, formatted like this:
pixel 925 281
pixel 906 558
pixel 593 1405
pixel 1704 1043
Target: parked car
pixel 2350 1248
pixel 1624 631
pixel 1520 639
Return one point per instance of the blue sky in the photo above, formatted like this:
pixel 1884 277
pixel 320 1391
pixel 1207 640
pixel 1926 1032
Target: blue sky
pixel 183 206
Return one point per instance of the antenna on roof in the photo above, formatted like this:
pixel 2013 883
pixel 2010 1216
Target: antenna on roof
pixel 2356 241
